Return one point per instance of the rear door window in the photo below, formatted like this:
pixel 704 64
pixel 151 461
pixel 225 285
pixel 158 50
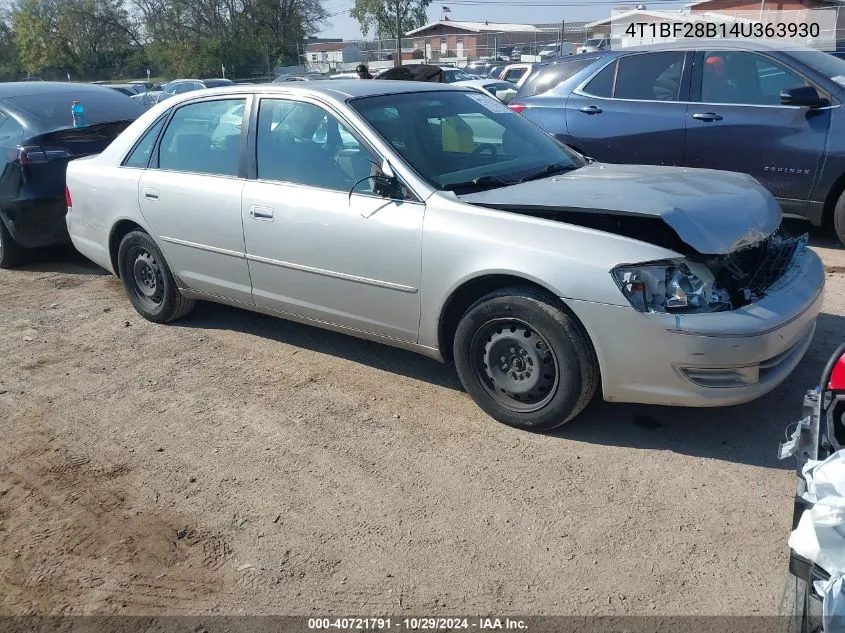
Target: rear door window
pixel 204 138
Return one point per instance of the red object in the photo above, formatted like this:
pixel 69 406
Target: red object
pixel 516 107
pixel 716 64
pixel 67 198
pixel 837 378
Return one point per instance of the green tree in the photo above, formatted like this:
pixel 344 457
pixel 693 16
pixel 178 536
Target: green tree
pixel 88 38
pixel 382 16
pixel 9 58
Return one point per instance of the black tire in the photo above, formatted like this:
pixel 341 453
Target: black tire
pixel 839 218
pixel 524 330
pixel 804 613
pixel 148 280
pixel 10 251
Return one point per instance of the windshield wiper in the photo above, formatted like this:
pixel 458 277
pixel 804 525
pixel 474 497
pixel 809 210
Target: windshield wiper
pixel 549 170
pixel 482 182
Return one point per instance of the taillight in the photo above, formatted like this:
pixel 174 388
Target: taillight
pixel 67 197
pixel 837 377
pixel 36 155
pixel 517 107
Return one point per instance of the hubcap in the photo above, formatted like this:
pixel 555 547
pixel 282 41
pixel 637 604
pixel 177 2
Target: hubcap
pixel 516 365
pixel 145 274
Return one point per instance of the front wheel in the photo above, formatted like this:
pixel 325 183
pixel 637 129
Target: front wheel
pixel 527 362
pixel 148 280
pixel 839 218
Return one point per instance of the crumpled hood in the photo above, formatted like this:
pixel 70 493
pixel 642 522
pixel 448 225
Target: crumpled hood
pixel 714 212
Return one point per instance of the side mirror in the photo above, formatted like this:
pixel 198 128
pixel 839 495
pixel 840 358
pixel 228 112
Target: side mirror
pixel 804 96
pixel 385 182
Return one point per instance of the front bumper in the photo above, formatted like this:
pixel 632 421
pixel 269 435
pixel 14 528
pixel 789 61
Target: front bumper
pixel 705 360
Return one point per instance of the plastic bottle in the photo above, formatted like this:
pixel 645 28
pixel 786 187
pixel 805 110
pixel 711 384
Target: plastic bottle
pixel 78 114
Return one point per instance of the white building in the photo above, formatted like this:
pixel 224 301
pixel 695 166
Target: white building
pixel 332 56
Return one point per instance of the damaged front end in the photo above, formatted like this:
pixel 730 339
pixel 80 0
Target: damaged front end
pixel 711 283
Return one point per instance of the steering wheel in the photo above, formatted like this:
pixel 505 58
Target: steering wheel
pixel 483 147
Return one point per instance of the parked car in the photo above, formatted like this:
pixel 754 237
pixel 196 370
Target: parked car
pixel 516 54
pixel 501 90
pixel 452 74
pixel 516 73
pixel 480 68
pixel 432 218
pixel 129 90
pixel 494 72
pixel 595 44
pixel 504 52
pixel 37 139
pixel 181 86
pixel 556 50
pixel 740 107
pixel 300 77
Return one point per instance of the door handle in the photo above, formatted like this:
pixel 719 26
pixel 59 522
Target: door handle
pixel 707 116
pixel 151 194
pixel 591 109
pixel 261 213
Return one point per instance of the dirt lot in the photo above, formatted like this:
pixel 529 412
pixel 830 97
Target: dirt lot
pixel 235 463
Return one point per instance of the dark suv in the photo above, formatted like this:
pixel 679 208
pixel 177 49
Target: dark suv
pixel 772 113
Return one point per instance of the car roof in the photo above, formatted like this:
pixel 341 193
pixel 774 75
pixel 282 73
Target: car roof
pixel 340 89
pixel 21 88
pixel 709 45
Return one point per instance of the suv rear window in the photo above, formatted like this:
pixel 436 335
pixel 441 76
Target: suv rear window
pixel 552 76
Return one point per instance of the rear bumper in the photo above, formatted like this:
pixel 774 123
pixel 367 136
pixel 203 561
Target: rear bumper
pixel 38 222
pixel 706 360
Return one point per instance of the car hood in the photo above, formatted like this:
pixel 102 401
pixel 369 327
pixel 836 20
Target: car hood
pixel 713 212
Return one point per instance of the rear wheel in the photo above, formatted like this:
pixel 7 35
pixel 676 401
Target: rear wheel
pixel 10 250
pixel 148 280
pixel 524 360
pixel 839 218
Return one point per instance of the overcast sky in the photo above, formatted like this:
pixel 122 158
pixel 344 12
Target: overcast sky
pixel 519 11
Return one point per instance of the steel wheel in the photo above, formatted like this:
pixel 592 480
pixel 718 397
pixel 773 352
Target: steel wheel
pixel 147 279
pixel 516 364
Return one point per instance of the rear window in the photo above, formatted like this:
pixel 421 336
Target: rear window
pixel 51 110
pixel 552 76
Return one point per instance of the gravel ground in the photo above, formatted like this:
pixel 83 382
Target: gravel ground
pixel 235 463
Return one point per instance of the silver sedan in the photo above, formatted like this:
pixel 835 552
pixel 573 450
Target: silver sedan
pixel 434 219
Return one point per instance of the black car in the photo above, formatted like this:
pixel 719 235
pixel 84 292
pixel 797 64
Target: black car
pixel 772 113
pixel 37 139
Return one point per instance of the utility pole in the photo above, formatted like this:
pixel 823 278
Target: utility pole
pixel 398 57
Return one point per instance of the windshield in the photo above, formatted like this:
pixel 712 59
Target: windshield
pixel 596 42
pixel 824 63
pixel 463 141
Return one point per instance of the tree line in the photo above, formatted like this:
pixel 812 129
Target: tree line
pixel 92 40
pixel 108 39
